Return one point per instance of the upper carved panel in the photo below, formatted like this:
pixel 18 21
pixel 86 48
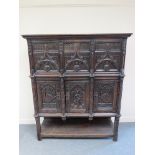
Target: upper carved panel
pixel 108 46
pixel 76 56
pixel 45 45
pixel 107 61
pixel 71 46
pixel 45 58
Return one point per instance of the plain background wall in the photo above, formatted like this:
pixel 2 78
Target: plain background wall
pixel 75 17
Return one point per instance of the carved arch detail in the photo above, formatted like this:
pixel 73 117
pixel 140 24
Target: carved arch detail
pixel 106 63
pixel 76 65
pixel 46 65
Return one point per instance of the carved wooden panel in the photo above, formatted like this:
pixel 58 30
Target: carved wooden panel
pixel 108 55
pixel 108 61
pixel 77 96
pixel 49 96
pixel 105 95
pixel 76 55
pixel 46 56
pixel 109 45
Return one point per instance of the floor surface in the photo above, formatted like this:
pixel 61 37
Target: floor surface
pixel 29 145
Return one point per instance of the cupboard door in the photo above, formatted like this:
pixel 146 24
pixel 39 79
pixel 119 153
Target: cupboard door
pixel 105 94
pixel 77 96
pixel 48 96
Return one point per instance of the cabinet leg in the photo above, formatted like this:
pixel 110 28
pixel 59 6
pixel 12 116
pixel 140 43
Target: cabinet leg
pixel 116 124
pixel 38 127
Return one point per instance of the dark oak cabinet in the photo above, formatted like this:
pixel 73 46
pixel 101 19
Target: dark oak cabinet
pixel 77 83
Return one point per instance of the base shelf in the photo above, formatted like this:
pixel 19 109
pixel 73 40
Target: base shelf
pixel 77 128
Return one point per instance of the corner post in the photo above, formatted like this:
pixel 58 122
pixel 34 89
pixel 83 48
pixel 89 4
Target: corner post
pixel 38 127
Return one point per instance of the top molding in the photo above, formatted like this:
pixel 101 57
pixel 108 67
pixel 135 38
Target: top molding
pixel 69 36
pixel 74 3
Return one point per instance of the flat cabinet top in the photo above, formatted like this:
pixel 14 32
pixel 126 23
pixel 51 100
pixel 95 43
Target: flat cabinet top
pixel 84 36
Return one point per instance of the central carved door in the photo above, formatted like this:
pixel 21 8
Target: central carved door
pixel 77 96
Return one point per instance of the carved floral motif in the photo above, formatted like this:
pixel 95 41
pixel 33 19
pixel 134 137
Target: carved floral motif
pixel 77 98
pixel 76 93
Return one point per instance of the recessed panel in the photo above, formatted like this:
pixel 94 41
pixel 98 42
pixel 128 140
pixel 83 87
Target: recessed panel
pixel 76 56
pixel 77 96
pixel 48 96
pixel 105 95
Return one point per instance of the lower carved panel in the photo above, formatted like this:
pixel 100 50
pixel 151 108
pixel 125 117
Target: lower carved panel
pixel 77 96
pixel 48 96
pixel 105 95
